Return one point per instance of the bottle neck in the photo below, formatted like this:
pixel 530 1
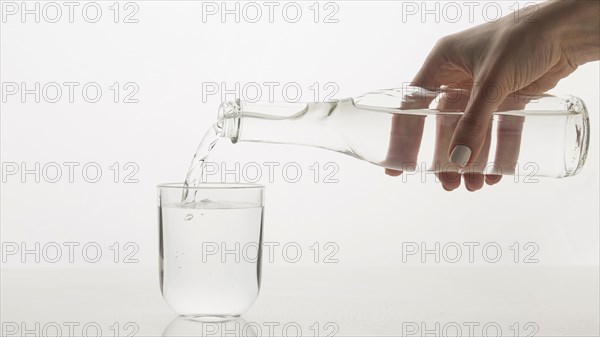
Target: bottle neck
pixel 280 123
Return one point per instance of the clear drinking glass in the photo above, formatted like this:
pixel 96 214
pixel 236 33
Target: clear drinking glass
pixel 210 248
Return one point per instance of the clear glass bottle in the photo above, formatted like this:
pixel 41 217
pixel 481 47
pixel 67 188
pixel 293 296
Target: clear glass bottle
pixel 410 129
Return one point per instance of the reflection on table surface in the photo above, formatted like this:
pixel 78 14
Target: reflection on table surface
pixel 323 301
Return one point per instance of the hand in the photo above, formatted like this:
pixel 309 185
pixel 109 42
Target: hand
pixel 407 131
pixel 492 61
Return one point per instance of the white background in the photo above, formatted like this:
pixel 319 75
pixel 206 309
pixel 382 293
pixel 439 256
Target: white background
pixel 171 52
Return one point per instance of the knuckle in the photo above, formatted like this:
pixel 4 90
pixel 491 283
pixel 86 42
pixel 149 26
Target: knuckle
pixel 445 42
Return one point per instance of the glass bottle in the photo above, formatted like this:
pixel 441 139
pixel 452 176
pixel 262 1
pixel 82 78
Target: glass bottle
pixel 410 129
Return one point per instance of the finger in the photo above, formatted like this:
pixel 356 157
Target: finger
pixel 492 179
pixel 392 173
pixel 474 178
pixel 447 174
pixel 510 129
pixel 472 128
pixel 450 180
pixel 473 181
pixel 406 134
pixel 451 103
pixel 508 136
pixel 405 141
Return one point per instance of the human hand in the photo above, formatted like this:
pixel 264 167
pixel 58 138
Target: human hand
pixel 407 130
pixel 490 62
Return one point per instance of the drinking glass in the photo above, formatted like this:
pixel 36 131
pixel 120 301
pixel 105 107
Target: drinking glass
pixel 210 248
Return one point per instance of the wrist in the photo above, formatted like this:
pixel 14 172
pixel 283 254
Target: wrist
pixel 576 25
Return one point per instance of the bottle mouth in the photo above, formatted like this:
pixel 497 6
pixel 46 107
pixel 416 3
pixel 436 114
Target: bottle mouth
pixel 229 118
pixel 229 109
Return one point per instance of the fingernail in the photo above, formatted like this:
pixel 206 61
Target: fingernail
pixel 460 155
pixel 392 173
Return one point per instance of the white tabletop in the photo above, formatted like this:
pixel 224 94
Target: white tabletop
pixel 316 301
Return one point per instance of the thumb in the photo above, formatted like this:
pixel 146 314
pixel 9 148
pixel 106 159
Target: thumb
pixel 471 130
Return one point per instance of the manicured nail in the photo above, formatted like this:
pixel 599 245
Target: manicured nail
pixel 460 155
pixel 392 173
